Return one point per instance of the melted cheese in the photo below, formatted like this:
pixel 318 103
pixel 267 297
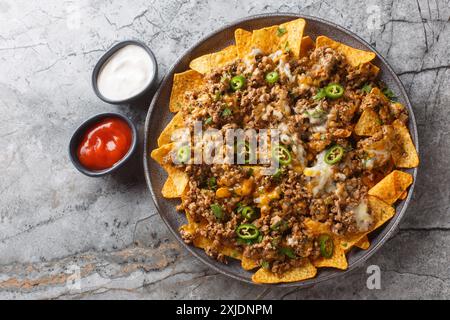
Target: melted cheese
pixel 322 174
pixel 362 217
pixel 285 69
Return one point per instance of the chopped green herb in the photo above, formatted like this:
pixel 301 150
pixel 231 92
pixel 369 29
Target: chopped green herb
pixel 227 112
pixel 389 94
pixel 265 264
pixel 321 94
pixel 286 47
pixel 366 88
pixel 208 120
pixel 288 252
pixel 217 211
pixel 218 96
pixel 281 31
pixel 212 183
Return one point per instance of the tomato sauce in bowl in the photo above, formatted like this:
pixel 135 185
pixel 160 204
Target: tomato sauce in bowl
pixel 105 144
pixel 102 144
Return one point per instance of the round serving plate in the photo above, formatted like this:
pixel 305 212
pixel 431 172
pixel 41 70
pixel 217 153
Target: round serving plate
pixel 159 116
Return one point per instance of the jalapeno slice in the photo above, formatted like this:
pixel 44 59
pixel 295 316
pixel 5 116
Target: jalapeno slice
pixel 247 232
pixel 217 211
pixel 326 245
pixel 237 83
pixel 334 90
pixel 272 77
pixel 281 154
pixel 248 213
pixel 183 154
pixel 334 154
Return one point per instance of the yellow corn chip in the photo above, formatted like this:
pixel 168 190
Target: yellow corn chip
pixel 179 177
pixel 364 243
pixel 338 260
pixel 169 190
pixel 186 81
pixel 307 271
pixel 354 56
pixel 392 186
pixel 285 37
pixel 306 46
pixel 381 211
pixel 249 264
pixel 209 62
pixel 406 156
pixel 203 242
pixel 177 122
pixel 403 196
pixel 368 124
pixel 243 40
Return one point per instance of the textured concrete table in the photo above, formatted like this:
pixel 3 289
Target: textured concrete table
pixel 56 224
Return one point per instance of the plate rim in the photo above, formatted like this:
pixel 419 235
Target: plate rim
pixel 397 217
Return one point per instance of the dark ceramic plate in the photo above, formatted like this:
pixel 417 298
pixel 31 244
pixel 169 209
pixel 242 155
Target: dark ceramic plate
pixel 158 116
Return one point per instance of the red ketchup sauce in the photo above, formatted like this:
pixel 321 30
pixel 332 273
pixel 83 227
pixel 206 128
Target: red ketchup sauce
pixel 104 144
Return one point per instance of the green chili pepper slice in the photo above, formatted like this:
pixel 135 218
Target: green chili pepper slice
pixel 248 213
pixel 334 90
pixel 183 154
pixel 334 155
pixel 247 231
pixel 288 252
pixel 272 77
pixel 282 155
pixel 212 183
pixel 217 211
pixel 237 83
pixel 320 94
pixel 326 245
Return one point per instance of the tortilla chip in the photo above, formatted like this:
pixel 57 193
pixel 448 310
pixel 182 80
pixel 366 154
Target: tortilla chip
pixel 364 243
pixel 207 63
pixel 186 81
pixel 338 260
pixel 307 271
pixel 285 37
pixel 177 122
pixel 381 211
pixel 368 124
pixel 406 156
pixel 374 70
pixel 354 56
pixel 392 186
pixel 243 40
pixel 179 177
pixel 205 243
pixel 249 264
pixel 169 190
pixel 403 196
pixel 306 46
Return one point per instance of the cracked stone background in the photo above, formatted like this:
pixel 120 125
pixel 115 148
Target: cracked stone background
pixel 52 218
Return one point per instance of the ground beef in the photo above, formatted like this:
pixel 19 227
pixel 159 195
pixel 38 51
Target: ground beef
pixel 308 126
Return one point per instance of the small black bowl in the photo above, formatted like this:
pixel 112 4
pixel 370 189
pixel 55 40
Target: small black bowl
pixel 108 55
pixel 78 136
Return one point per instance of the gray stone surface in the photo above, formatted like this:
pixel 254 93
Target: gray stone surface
pixel 52 218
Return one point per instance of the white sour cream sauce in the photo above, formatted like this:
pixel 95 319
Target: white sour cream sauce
pixel 126 73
